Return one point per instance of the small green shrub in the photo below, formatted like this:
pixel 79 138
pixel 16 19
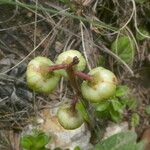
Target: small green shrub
pixel 114 107
pixel 35 141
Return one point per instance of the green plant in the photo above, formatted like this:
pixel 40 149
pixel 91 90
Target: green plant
pixel 135 120
pixel 113 107
pixel 98 85
pixel 35 141
pixel 77 148
pixel 121 141
pixel 124 47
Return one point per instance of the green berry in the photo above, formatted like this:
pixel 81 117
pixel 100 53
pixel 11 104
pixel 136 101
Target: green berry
pixel 67 57
pixel 102 87
pixel 38 76
pixel 68 118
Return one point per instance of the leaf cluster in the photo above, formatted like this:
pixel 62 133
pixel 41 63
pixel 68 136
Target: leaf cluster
pixel 114 107
pixel 35 141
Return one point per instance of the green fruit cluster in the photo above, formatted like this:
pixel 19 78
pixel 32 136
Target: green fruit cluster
pixel 40 79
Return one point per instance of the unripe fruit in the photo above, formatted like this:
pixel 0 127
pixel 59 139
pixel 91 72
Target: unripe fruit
pixel 68 118
pixel 67 57
pixel 102 87
pixel 38 76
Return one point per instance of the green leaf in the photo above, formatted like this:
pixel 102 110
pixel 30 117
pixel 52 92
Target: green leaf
pixel 131 103
pixel 121 90
pixel 41 140
pixel 117 106
pixel 26 142
pixel 103 114
pixel 124 47
pixel 147 109
pixel 120 141
pixel 102 106
pixel 80 107
pixel 135 120
pixel 77 148
pixel 115 116
pixel 143 31
pixel 36 141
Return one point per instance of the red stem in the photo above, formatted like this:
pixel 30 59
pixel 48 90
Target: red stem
pixel 64 66
pixel 72 77
pixel 74 101
pixel 83 76
pixel 58 67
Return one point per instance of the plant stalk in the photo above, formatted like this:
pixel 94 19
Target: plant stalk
pixel 83 76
